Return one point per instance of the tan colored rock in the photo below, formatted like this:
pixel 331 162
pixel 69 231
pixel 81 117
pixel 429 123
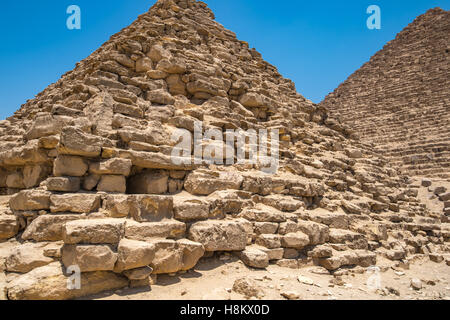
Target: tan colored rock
pixel 160 96
pixel 30 200
pixel 95 231
pixel 248 288
pixel 15 181
pixel 50 283
pixel 152 208
pixel 64 184
pixel 48 227
pixel 111 183
pixel 192 252
pixel 75 142
pixel 69 166
pixel 318 233
pixel 9 226
pixel 168 258
pixel 114 166
pixel 206 183
pixel 147 230
pixel 134 254
pixel 89 257
pixel 144 64
pixel 118 206
pixel 34 175
pixel 76 203
pixel 297 240
pixel 254 257
pixel 219 235
pixel 27 257
pixel 139 273
pixel 191 210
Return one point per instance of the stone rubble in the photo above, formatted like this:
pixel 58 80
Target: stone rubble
pixel 88 172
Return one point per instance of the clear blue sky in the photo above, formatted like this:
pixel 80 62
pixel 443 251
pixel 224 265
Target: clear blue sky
pixel 317 44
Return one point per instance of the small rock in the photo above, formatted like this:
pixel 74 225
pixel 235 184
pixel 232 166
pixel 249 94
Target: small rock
pixel 305 280
pixel 416 284
pixel 290 295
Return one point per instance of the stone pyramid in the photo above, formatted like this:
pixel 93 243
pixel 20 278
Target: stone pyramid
pixel 400 100
pixel 91 188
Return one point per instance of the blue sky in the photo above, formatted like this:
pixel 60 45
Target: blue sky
pixel 317 44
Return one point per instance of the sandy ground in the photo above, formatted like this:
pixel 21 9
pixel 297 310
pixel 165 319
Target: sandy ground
pixel 213 279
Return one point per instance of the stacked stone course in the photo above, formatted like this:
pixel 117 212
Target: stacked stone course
pixel 90 180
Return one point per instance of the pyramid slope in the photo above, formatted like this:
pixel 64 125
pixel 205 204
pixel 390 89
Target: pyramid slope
pixel 399 101
pixel 87 166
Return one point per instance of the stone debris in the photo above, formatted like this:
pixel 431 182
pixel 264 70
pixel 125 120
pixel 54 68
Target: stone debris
pixel 89 170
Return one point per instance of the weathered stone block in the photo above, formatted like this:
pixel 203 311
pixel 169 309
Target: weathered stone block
pixel 76 202
pixel 95 231
pixel 30 200
pixel 115 166
pixel 89 257
pixel 69 166
pixel 64 184
pixel 134 254
pixel 111 183
pixel 219 235
pixel 48 227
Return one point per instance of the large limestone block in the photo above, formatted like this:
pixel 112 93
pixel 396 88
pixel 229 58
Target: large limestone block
pixel 115 166
pixel 253 257
pixel 118 205
pixel 160 96
pixel 219 235
pixel 14 180
pixel 297 240
pixel 44 125
pixel 48 227
pixel 64 184
pixel 192 252
pixel 200 183
pixel 95 231
pixel 24 155
pixel 148 230
pixel 76 203
pixel 154 160
pixel 191 210
pixel 89 257
pixel 152 208
pixel 134 254
pixel 337 220
pixel 9 226
pixel 69 166
pixel 50 283
pixel 76 142
pixel 30 200
pixel 112 183
pixel 26 257
pixel 168 258
pixel 34 175
pixel 318 233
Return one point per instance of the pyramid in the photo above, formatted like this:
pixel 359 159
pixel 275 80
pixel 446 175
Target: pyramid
pixel 91 188
pixel 399 101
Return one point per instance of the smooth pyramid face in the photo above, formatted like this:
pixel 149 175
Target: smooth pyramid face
pixel 93 182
